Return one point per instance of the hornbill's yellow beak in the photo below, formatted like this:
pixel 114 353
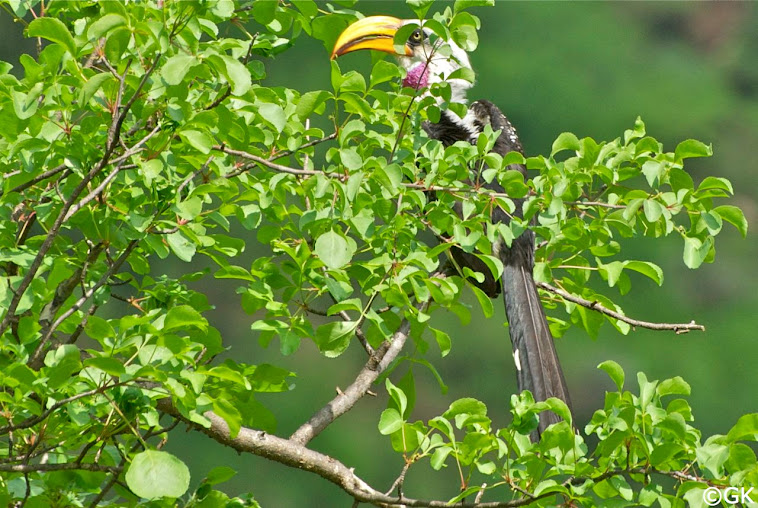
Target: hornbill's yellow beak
pixel 374 32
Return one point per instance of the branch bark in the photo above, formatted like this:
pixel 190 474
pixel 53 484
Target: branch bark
pixel 289 453
pixel 676 327
pixel 344 401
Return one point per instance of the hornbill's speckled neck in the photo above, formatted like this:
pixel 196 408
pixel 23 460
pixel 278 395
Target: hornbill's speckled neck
pixel 537 364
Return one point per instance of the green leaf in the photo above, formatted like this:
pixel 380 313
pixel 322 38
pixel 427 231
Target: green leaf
pixel 443 341
pixel 461 5
pixel 439 456
pixel 333 338
pixel 92 85
pixel 274 114
pixel 653 210
pixel 615 372
pixel 713 182
pixel 565 141
pixel 712 456
pixel 238 75
pixel 227 374
pixel 484 301
pixel 390 421
pixel 653 171
pixel 646 268
pixel 746 429
pixel 107 364
pixel 560 408
pixel 231 415
pixel 383 71
pixel 25 105
pixel 309 102
pixel 663 453
pixel 183 317
pixel 420 7
pixel 467 406
pixel 181 246
pixel 265 11
pixel 53 30
pixel 733 216
pixel 334 250
pixel 104 25
pixel 398 399
pixel 692 148
pixel 176 67
pixel 198 140
pixel 220 474
pixel 390 176
pixel 695 251
pixel 307 7
pixel 98 328
pixel 674 386
pixel 153 474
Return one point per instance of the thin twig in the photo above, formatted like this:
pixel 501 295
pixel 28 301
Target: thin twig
pixel 286 153
pixel 345 400
pixel 34 420
pixel 398 483
pixel 676 327
pixel 99 189
pixel 43 176
pixel 358 333
pixel 36 359
pixel 113 137
pixel 596 203
pixel 260 160
pixel 66 466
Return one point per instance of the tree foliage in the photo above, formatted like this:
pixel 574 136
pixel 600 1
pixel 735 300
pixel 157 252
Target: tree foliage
pixel 141 131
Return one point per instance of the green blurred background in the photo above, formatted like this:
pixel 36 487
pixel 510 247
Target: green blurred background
pixel 689 70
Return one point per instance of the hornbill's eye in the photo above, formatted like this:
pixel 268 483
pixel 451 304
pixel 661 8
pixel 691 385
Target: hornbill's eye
pixel 417 36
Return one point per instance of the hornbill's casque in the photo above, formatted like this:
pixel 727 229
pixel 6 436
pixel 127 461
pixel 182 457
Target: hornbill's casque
pixel 426 63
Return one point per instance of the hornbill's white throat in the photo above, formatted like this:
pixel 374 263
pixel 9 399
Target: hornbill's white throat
pixel 426 61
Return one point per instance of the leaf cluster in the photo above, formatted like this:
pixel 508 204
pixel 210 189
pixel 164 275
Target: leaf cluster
pixel 143 131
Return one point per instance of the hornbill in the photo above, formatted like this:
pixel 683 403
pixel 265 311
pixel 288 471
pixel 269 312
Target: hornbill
pixel 426 63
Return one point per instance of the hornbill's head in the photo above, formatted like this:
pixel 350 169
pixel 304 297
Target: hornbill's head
pixel 426 62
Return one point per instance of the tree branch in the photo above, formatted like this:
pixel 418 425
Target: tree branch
pixel 676 327
pixel 286 153
pixel 114 132
pixel 30 422
pixel 345 400
pixel 260 160
pixel 122 159
pixel 66 466
pixel 35 362
pixel 292 454
pixel 42 176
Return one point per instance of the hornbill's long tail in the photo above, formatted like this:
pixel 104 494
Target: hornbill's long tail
pixel 537 365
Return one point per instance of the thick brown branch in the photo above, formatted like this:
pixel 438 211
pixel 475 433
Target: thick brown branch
pixel 676 327
pixel 297 456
